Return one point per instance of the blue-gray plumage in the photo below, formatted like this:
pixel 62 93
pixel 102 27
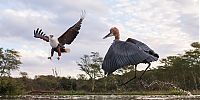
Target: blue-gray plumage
pixel 123 53
pixel 129 52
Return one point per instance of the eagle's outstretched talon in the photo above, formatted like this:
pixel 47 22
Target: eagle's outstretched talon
pixel 58 58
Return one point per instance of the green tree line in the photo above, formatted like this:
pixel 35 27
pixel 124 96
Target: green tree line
pixel 182 70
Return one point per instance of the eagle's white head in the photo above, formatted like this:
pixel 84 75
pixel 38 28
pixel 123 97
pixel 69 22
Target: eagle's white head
pixel 51 36
pixel 53 41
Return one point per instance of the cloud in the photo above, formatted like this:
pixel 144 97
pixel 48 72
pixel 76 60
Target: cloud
pixel 158 22
pixel 189 17
pixel 19 19
pixel 167 26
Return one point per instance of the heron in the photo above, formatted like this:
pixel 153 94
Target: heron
pixel 67 37
pixel 124 53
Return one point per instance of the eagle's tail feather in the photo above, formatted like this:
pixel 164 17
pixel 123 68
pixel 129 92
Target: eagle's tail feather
pixel 66 50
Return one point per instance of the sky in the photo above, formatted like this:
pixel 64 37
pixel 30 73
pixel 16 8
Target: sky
pixel 167 26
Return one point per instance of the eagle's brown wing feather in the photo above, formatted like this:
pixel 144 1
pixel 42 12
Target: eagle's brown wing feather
pixel 39 34
pixel 71 33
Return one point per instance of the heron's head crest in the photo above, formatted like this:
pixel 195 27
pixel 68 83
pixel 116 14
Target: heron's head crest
pixel 113 32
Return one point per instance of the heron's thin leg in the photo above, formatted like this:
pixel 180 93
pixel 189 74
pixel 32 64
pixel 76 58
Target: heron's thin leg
pixel 135 70
pixel 145 70
pixel 131 78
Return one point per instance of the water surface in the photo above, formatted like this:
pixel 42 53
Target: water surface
pixel 105 97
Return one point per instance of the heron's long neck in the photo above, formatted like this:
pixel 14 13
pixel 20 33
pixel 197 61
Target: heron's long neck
pixel 117 36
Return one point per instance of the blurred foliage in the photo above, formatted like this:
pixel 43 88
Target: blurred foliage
pixel 10 86
pixel 182 70
pixel 9 60
pixel 91 65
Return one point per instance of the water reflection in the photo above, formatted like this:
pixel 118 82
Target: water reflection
pixel 105 97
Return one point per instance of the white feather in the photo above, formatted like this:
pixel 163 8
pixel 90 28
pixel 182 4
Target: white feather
pixel 53 42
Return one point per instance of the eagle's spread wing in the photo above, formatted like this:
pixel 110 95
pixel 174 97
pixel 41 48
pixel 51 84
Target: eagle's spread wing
pixel 72 32
pixel 39 34
pixel 143 46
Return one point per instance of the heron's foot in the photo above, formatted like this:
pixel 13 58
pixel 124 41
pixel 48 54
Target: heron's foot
pixel 58 58
pixel 143 83
pixel 140 79
pixel 121 84
pixel 128 81
pixel 134 77
pixel 49 58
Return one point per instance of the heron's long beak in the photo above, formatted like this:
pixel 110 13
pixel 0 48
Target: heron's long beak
pixel 108 35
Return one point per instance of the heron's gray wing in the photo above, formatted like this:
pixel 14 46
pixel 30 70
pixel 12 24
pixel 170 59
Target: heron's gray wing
pixel 39 34
pixel 143 46
pixel 69 36
pixel 121 54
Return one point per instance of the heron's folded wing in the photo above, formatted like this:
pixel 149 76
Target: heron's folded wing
pixel 143 46
pixel 121 54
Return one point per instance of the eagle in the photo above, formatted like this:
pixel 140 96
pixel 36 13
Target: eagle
pixel 58 44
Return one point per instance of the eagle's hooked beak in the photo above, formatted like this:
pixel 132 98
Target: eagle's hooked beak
pixel 108 35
